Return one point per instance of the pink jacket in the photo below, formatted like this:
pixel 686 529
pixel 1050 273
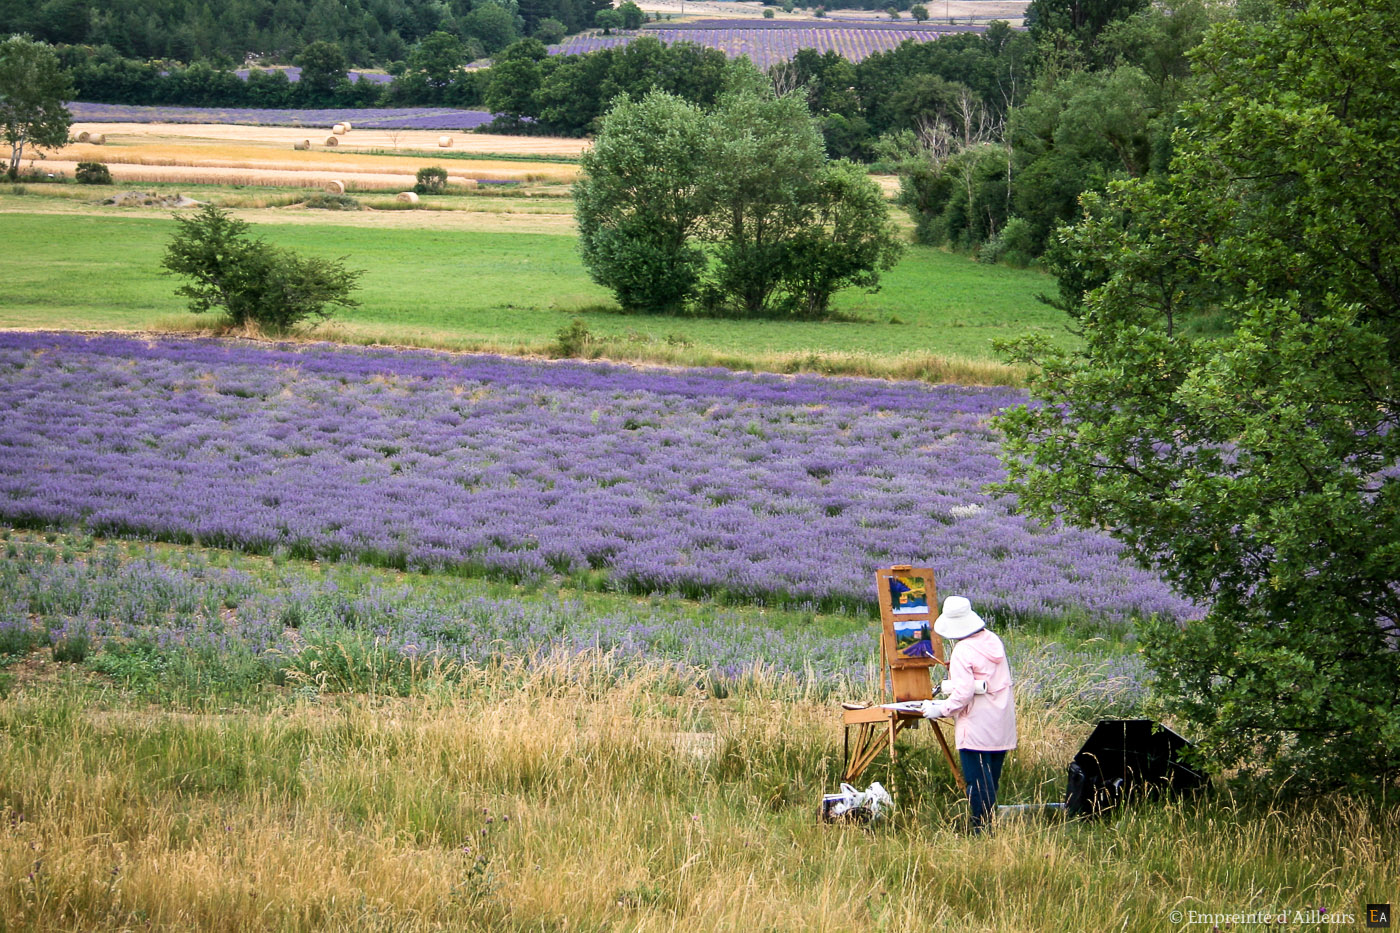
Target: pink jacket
pixel 985 723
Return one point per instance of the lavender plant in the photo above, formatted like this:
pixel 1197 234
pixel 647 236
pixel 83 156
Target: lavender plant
pixel 767 44
pixel 407 118
pixel 706 484
pixel 171 618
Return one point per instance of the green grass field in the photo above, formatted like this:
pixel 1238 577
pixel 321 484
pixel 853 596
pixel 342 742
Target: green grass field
pixel 158 785
pixel 469 289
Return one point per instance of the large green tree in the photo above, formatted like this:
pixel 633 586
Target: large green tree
pixel 324 71
pixel 1232 414
pixel 767 161
pixel 640 201
pixel 33 89
pixel 736 207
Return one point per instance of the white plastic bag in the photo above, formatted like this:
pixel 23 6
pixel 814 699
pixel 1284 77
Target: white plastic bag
pixel 851 803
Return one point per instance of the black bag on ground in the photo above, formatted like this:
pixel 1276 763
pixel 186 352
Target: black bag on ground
pixel 1124 758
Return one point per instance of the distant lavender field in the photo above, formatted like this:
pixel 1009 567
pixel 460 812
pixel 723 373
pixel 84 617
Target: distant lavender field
pixel 701 483
pixel 418 118
pixel 767 44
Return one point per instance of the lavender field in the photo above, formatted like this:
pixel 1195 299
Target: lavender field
pixel 759 489
pixel 767 44
pixel 250 622
pixel 407 118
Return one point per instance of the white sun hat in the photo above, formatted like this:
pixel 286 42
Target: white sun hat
pixel 957 619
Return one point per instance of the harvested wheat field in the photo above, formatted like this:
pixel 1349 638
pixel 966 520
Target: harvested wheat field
pixel 355 177
pixel 273 156
pixel 126 133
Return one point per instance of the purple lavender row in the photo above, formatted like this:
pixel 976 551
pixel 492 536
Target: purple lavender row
pixel 420 118
pixel 701 483
pixel 768 46
pixel 851 22
pixel 230 614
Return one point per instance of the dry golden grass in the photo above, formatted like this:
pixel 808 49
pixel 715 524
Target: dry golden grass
pixel 259 158
pixel 576 796
pixel 358 138
pixel 245 157
pixel 928 367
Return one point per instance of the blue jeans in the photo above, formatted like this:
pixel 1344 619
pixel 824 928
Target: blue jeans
pixel 982 771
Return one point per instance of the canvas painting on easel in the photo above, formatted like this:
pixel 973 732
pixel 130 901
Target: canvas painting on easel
pixel 909 606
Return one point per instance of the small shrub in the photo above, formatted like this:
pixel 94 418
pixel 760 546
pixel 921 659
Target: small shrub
pixel 767 14
pixel 249 279
pixel 72 648
pixel 92 173
pixel 431 179
pixel 332 202
pixel 40 177
pixel 134 662
pixel 1014 244
pixel 16 639
pixel 572 340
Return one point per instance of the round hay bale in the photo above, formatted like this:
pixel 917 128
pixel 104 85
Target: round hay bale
pixel 338 129
pixel 407 197
pixel 444 141
pixel 304 144
pixel 346 124
pixel 82 137
pixel 332 141
pixel 334 187
pixel 98 139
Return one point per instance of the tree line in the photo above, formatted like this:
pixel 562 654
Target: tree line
pixel 996 136
pixel 368 32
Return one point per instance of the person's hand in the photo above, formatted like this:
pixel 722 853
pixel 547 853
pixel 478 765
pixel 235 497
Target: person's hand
pixel 932 709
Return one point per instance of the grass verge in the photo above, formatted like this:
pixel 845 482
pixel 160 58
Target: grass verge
pixel 466 289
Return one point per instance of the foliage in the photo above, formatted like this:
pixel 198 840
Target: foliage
pixel 433 69
pixel 188 30
pixel 640 201
pixel 1231 416
pixel 766 163
pixel 490 24
pixel 33 89
pixel 1072 27
pixel 1074 131
pixel 326 201
pixel 249 280
pixel 608 20
pixel 850 243
pixel 323 72
pixel 430 179
pixel 783 229
pixel 550 31
pixel 514 80
pixel 632 15
pixel 572 340
pixel 92 173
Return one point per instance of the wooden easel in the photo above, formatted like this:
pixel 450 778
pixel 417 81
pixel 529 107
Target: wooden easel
pixel 907 678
